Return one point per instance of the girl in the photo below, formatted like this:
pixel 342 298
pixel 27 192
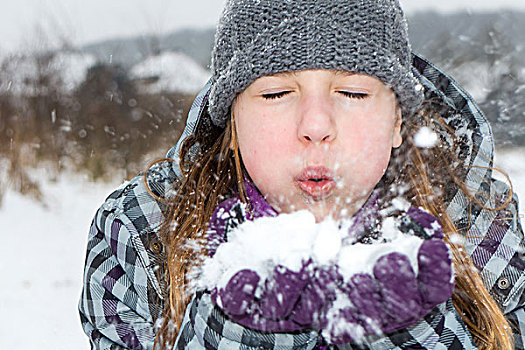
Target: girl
pixel 321 106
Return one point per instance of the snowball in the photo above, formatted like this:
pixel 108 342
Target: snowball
pixel 425 138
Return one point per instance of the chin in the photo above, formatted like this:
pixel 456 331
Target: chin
pixel 321 209
pixel 324 210
pixel 324 213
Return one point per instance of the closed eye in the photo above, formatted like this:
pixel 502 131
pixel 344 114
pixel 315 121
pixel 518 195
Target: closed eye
pixel 354 95
pixel 275 95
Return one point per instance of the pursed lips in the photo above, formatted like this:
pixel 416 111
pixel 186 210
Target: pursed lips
pixel 316 182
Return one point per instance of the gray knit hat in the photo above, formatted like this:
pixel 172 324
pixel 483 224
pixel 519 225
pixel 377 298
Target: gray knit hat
pixel 255 38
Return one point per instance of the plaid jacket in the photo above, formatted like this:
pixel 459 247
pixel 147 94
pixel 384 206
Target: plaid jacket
pixel 123 297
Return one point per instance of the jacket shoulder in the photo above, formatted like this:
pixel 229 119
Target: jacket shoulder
pixel 140 202
pixel 140 205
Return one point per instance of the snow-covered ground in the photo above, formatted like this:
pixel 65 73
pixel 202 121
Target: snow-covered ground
pixel 41 262
pixel 42 257
pixel 173 72
pixel 512 162
pixel 65 71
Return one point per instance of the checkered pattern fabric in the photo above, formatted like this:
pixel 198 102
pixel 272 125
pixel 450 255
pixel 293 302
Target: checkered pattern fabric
pixel 206 327
pixel 123 297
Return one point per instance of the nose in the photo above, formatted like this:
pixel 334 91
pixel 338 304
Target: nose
pixel 316 120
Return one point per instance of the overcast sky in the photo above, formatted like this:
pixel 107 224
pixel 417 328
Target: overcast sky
pixel 26 24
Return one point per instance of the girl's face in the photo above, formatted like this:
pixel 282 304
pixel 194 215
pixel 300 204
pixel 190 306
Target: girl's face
pixel 317 139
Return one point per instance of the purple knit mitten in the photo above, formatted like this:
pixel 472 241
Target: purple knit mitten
pixel 394 296
pixel 289 300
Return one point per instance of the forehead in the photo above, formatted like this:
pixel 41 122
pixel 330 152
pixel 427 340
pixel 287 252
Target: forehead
pixel 318 75
pixel 296 73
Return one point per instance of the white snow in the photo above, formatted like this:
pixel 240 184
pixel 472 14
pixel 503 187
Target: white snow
pixel 73 67
pixel 512 162
pixel 43 252
pixel 425 138
pixel 291 240
pixel 41 263
pixel 260 246
pixel 66 70
pixel 360 258
pixel 172 72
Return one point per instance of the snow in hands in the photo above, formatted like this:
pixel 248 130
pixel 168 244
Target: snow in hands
pixel 288 273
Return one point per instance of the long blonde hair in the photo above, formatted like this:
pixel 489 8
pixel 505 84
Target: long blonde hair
pixel 215 173
pixel 431 173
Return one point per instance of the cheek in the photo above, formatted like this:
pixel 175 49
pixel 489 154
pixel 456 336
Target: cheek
pixel 257 136
pixel 368 156
pixel 366 137
pixel 366 151
pixel 265 146
pixel 378 148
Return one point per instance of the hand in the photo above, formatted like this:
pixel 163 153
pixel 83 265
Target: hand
pixel 318 295
pixel 285 303
pixel 394 296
